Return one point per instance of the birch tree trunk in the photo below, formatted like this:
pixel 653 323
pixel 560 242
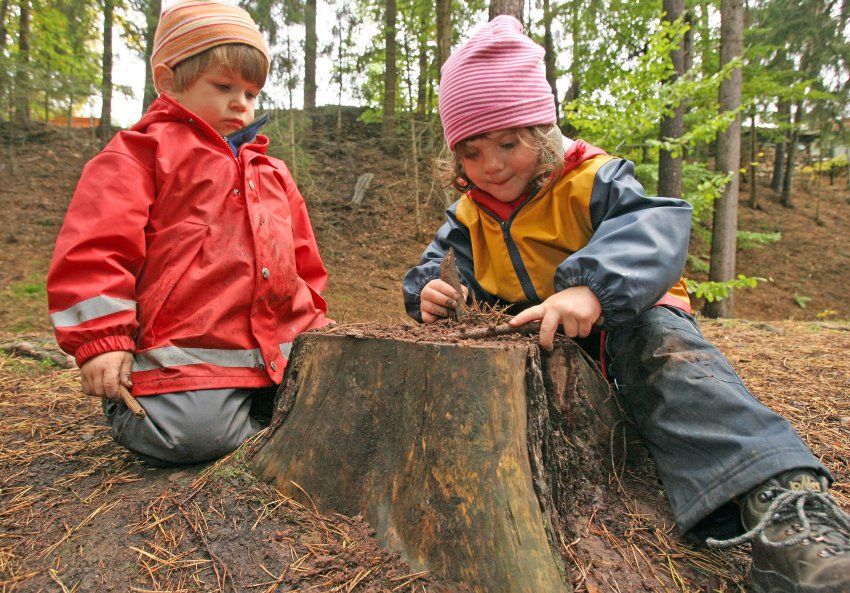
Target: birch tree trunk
pixel 725 227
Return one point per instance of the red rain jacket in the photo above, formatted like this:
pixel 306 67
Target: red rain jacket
pixel 202 264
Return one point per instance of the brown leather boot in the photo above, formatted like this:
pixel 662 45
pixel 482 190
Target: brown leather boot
pixel 800 537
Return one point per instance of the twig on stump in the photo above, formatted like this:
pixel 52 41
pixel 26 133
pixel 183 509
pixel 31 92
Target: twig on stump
pixel 492 331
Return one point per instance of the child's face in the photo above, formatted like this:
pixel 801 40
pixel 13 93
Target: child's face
pixel 222 98
pixel 499 164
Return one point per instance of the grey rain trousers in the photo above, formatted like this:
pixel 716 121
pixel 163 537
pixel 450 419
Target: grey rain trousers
pixel 711 439
pixel 189 427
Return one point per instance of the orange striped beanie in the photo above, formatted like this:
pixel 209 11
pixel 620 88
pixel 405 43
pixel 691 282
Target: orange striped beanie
pixel 190 27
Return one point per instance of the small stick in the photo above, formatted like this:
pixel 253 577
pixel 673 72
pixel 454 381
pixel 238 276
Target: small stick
pixel 130 402
pixel 492 331
pixel 450 275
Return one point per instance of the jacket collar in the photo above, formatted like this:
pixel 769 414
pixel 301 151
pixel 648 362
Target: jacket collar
pixel 166 109
pixel 575 153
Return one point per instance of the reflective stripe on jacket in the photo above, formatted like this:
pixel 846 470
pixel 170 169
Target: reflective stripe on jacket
pixel 201 263
pixel 595 228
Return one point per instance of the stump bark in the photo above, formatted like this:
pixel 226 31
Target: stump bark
pixel 469 459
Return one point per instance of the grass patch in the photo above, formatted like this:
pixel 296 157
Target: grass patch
pixel 23 306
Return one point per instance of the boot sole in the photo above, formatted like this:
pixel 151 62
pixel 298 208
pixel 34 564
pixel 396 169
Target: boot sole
pixel 772 582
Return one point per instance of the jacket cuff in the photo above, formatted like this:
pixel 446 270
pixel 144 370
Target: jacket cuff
pixel 605 300
pixel 101 345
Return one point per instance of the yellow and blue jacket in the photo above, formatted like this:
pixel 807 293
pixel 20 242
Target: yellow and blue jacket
pixel 596 227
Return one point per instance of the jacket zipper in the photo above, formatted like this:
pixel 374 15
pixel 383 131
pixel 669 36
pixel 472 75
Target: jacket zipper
pixel 513 250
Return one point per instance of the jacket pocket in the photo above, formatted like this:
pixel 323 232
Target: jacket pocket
pixel 170 253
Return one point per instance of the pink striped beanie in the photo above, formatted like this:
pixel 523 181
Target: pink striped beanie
pixel 495 80
pixel 190 27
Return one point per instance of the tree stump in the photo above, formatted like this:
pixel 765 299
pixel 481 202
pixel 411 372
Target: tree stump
pixel 466 458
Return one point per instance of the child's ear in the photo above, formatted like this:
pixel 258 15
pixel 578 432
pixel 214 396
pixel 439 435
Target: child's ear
pixel 163 78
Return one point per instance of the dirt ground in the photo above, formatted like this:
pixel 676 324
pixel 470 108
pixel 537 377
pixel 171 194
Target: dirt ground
pixel 77 513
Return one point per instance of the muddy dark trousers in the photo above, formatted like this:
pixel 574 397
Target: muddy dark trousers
pixel 190 427
pixel 710 438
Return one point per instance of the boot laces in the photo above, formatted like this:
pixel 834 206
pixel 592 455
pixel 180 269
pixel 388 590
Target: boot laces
pixel 815 516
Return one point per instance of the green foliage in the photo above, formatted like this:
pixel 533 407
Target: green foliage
pixel 63 66
pixel 750 239
pixel 697 264
pixel 801 300
pixel 281 145
pixel 714 291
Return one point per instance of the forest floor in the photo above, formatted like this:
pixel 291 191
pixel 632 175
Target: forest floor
pixel 77 513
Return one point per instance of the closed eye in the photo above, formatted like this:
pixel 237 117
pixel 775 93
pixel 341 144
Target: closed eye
pixel 508 145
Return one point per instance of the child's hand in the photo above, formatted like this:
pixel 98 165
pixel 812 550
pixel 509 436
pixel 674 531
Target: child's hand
pixel 102 374
pixel 437 298
pixel 576 308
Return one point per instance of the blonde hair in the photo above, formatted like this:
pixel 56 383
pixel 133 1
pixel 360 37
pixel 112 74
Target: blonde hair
pixel 248 61
pixel 545 140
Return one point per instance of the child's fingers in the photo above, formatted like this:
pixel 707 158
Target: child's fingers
pixel 584 328
pixel 85 384
pixel 531 314
pixel 440 292
pixel 571 327
pixel 110 382
pixel 548 327
pixel 432 308
pixel 126 370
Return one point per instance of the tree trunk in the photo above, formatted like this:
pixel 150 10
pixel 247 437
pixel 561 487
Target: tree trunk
pixel 154 7
pixel 390 75
pixel 4 10
pixel 783 111
pixel 672 126
pixel 422 78
pixel 467 486
pixel 515 8
pixel 21 99
pixel 688 47
pixel 444 33
pixel 551 55
pixel 310 44
pixel 791 156
pixel 753 162
pixel 725 227
pixel 104 130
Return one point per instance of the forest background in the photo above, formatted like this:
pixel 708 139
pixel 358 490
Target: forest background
pixel 664 83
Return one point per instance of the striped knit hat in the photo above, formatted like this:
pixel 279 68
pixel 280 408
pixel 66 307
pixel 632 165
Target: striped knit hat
pixel 493 81
pixel 192 26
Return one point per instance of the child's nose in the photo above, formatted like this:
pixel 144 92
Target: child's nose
pixel 239 103
pixel 493 164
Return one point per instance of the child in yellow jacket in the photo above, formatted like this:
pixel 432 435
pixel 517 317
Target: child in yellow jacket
pixel 565 234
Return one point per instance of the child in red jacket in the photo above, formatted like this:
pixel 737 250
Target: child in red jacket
pixel 186 264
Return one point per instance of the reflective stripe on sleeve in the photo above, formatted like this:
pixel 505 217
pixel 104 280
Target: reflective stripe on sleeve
pixel 175 356
pixel 93 308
